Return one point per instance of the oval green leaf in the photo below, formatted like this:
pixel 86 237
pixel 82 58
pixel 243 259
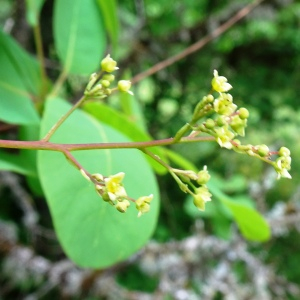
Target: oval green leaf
pixel 251 223
pixel 79 35
pixel 92 233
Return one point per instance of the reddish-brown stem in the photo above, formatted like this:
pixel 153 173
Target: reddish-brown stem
pixel 77 165
pixel 198 45
pixel 44 145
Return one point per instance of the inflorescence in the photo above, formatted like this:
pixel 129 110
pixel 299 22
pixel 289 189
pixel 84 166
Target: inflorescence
pixel 217 116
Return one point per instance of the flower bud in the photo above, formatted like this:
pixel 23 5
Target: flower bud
pixel 203 176
pixel 124 86
pixel 221 121
pixel 98 177
pixel 108 64
pixel 243 113
pixel 263 150
pixel 92 80
pixel 210 98
pixel 210 124
pixel 105 83
pixel 122 206
pixel 109 77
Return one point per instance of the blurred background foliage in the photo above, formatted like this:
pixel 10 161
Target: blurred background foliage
pixel 259 55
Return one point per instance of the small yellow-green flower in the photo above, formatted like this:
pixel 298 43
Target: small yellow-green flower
pixel 238 125
pixel 114 186
pixel 223 105
pixel 263 150
pixel 124 86
pixel 143 204
pixel 122 206
pixel 201 196
pixel 224 137
pixel 108 64
pixel 282 166
pixel 203 176
pixel 219 83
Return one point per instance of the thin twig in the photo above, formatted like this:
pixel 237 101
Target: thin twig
pixel 62 119
pixel 41 57
pixel 198 45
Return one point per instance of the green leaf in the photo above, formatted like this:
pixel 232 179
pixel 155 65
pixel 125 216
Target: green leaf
pixel 109 12
pixel 14 163
pixel 19 83
pixel 128 127
pixel 79 35
pixel 251 223
pixel 33 8
pixel 92 232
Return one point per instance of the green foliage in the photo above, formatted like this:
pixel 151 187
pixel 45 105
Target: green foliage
pixel 108 10
pixel 19 81
pixel 91 232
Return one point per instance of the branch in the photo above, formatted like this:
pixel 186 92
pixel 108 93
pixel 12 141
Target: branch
pixel 198 45
pixel 44 145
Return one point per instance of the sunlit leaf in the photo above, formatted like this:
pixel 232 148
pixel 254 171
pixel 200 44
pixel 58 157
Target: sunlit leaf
pixel 79 35
pixel 92 232
pixel 250 222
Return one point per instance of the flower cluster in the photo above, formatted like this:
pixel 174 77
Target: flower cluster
pixel 99 83
pixel 230 122
pixel 112 191
pixel 188 180
pixel 224 122
pixel 282 164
